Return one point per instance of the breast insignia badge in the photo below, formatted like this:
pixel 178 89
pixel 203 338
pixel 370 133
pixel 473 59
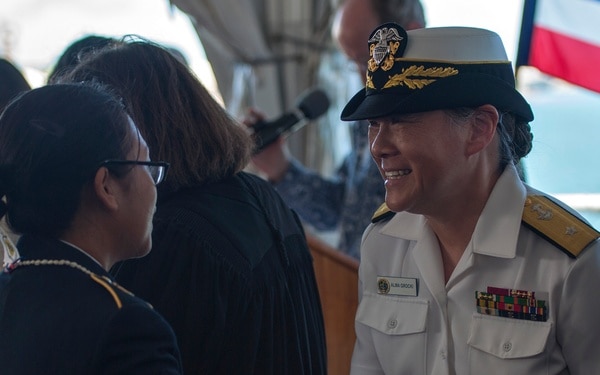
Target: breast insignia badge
pixel 397 286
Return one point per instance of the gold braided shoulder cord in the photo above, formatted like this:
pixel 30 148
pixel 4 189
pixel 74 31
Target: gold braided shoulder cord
pixel 50 262
pixel 102 280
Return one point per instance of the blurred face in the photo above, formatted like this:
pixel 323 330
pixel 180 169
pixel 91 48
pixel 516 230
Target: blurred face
pixel 140 202
pixel 422 159
pixel 352 26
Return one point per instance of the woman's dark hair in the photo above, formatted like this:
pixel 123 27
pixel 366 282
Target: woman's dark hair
pixel 52 140
pixel 179 119
pixel 12 82
pixel 75 52
pixel 515 135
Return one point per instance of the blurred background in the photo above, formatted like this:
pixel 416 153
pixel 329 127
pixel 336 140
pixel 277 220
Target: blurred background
pixel 565 160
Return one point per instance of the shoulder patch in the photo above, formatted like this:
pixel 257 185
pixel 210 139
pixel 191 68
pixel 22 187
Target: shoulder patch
pixel 382 213
pixel 557 225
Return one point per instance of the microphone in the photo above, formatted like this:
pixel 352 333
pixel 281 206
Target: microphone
pixel 309 105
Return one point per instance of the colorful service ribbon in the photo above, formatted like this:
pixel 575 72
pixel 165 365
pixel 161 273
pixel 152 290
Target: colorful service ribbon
pixel 511 303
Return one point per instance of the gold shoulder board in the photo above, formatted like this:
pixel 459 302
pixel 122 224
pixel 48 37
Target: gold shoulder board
pixel 383 212
pixel 557 225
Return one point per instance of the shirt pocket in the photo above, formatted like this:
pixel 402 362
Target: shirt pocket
pixel 393 316
pixel 508 338
pixel 507 344
pixel 398 328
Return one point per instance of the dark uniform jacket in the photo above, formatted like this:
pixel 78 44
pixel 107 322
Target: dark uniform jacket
pixel 231 272
pixel 58 319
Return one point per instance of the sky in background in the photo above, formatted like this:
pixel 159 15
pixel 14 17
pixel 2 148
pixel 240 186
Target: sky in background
pixel 501 16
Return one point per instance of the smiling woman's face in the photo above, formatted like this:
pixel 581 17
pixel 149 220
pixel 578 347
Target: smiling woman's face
pixel 421 157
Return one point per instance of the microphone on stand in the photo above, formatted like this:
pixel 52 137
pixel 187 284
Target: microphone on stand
pixel 309 105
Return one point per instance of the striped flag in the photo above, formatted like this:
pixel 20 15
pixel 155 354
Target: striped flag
pixel 562 38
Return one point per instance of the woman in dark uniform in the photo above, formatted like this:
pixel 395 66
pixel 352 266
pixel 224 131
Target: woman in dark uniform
pixel 77 183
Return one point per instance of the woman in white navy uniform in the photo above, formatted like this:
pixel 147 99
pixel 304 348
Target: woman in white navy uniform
pixel 465 269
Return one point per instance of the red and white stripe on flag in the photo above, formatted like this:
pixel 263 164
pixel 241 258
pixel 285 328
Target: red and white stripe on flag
pixel 565 41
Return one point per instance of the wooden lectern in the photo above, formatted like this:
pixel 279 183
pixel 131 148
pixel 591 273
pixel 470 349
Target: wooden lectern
pixel 337 279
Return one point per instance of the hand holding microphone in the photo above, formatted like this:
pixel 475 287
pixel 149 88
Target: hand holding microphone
pixel 309 106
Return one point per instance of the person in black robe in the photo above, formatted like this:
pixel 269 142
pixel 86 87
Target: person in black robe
pixel 230 268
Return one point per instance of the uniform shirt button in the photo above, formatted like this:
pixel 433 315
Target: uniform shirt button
pixel 443 354
pixel 392 323
pixel 507 346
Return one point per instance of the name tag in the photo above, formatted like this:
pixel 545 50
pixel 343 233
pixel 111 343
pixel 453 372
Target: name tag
pixel 397 286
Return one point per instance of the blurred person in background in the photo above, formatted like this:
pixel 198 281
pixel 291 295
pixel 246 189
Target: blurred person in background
pixel 346 201
pixel 12 83
pixel 76 51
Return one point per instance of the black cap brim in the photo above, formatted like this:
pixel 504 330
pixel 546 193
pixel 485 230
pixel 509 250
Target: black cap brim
pixel 475 89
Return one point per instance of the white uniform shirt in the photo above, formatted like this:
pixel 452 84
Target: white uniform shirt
pixel 439 331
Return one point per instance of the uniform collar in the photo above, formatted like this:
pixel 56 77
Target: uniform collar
pixel 497 229
pixel 32 247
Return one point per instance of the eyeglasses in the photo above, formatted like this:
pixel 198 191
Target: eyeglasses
pixel 156 169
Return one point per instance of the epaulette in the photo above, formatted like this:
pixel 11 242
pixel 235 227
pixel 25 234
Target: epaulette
pixel 557 225
pixel 382 213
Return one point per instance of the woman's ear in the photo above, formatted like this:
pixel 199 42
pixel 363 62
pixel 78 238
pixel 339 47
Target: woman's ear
pixel 483 128
pixel 106 189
